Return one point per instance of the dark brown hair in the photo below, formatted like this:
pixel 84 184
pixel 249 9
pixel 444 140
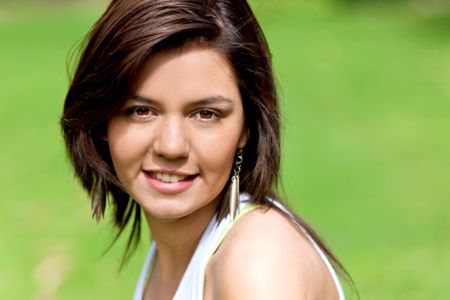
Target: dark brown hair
pixel 125 36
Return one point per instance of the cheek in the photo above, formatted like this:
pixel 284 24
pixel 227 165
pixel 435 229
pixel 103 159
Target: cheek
pixel 216 152
pixel 216 166
pixel 127 148
pixel 222 144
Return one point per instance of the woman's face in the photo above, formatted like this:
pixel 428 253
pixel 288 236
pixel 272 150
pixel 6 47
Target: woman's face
pixel 173 143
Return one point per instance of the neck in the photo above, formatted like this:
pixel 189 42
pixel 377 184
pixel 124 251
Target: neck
pixel 177 241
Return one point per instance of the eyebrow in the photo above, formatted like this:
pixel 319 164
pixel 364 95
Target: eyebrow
pixel 144 100
pixel 208 101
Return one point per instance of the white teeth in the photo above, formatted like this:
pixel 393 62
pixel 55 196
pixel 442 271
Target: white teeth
pixel 167 177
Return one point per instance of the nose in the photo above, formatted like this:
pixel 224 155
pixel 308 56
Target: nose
pixel 171 139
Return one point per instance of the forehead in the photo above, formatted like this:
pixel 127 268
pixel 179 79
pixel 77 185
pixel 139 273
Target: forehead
pixel 194 72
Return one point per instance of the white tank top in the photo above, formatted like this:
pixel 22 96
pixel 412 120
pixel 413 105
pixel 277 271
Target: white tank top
pixel 191 286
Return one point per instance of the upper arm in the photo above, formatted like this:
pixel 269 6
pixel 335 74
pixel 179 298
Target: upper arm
pixel 266 258
pixel 257 277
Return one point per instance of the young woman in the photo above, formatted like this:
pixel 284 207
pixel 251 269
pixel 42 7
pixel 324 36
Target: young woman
pixel 172 112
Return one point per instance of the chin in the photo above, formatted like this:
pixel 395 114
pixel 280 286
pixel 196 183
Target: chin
pixel 165 211
pixel 166 214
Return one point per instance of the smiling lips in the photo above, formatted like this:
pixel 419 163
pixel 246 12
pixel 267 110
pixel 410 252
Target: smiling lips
pixel 169 183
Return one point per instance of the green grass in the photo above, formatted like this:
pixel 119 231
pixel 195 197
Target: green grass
pixel 365 96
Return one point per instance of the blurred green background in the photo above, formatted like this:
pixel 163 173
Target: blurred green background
pixel 365 96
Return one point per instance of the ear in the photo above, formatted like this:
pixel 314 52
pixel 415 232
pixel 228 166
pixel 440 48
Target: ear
pixel 243 138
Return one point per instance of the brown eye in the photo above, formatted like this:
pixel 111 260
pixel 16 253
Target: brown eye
pixel 205 114
pixel 142 111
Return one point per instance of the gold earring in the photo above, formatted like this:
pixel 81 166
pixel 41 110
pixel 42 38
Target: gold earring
pixel 98 199
pixel 234 188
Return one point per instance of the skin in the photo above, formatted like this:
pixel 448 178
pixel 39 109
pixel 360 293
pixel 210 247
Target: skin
pixel 273 260
pixel 187 119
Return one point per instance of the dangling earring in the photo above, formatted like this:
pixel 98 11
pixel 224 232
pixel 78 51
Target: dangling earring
pixel 98 199
pixel 234 188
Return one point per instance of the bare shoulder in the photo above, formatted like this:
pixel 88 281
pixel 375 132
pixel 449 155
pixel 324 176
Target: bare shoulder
pixel 265 257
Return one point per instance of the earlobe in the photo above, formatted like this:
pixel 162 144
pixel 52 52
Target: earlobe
pixel 244 137
pixel 103 134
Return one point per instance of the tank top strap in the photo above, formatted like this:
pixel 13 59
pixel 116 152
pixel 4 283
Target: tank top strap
pixel 192 283
pixel 191 286
pixel 319 250
pixel 245 208
pixel 145 272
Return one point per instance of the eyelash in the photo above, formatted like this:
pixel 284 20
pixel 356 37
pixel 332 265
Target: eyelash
pixel 215 116
pixel 133 111
pixel 150 113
